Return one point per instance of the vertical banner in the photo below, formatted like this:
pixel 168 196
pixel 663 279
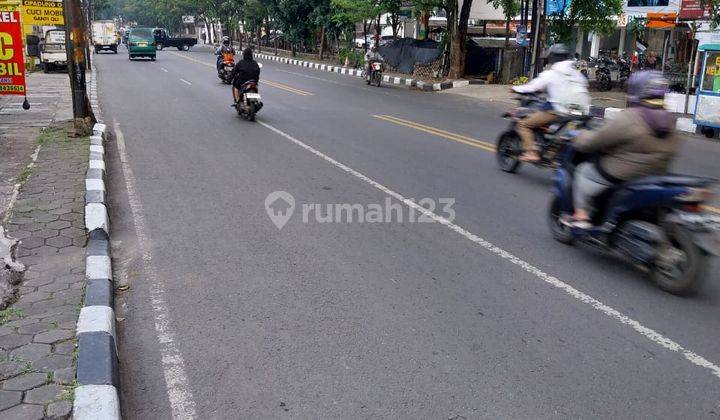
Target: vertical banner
pixel 12 66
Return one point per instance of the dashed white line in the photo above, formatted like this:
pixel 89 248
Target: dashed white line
pixel 649 333
pixel 185 81
pixel 164 69
pixel 179 393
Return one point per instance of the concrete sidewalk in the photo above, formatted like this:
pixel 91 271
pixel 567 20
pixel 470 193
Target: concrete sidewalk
pixel 37 330
pixel 502 94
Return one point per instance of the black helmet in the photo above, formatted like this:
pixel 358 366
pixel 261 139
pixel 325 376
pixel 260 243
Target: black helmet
pixel 557 52
pixel 226 40
pixel 247 54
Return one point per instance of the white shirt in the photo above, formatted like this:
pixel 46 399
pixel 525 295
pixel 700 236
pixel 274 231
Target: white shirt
pixel 560 81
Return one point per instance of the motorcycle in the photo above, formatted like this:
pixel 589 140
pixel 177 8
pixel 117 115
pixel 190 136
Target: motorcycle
pixel 548 139
pixel 226 68
pixel 250 103
pixel 657 222
pixel 375 76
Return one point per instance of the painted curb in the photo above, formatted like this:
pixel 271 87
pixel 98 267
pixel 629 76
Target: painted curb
pixel 400 81
pixel 98 375
pixel 682 124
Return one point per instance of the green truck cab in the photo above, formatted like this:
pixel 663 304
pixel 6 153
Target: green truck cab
pixel 141 43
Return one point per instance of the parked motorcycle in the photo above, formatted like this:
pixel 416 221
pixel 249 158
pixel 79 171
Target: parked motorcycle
pixel 605 70
pixel 657 222
pixel 226 68
pixel 250 103
pixel 375 76
pixel 548 139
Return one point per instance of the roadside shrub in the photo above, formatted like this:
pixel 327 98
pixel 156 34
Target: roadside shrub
pixel 354 57
pixel 520 80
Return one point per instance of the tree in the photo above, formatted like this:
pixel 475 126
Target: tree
pixel 588 15
pixel 357 11
pixel 510 8
pixel 392 8
pixel 456 32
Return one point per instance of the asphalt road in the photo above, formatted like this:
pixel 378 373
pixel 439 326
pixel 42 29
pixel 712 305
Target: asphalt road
pixel 229 317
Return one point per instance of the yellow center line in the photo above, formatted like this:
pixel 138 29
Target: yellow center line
pixel 438 132
pixel 264 81
pixel 286 87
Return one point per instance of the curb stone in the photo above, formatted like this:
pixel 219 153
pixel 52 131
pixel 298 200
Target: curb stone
pixel 682 124
pixel 401 81
pixel 97 396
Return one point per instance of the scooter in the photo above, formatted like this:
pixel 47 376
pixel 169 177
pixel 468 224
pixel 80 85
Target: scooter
pixel 375 76
pixel 548 139
pixel 250 103
pixel 657 222
pixel 226 69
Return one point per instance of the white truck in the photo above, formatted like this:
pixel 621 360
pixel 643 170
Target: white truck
pixel 52 50
pixel 104 35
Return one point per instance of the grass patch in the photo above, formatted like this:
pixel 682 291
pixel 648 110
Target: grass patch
pixel 24 175
pixel 7 314
pixel 68 393
pixel 51 134
pixel 27 368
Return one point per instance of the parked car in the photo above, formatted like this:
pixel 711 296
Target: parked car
pixel 163 39
pixel 52 50
pixel 104 35
pixel 141 43
pixel 360 43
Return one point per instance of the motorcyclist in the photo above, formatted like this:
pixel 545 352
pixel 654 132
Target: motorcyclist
pixel 372 55
pixel 566 90
pixel 640 141
pixel 225 48
pixel 245 70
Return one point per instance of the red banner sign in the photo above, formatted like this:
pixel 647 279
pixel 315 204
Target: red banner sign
pixel 694 10
pixel 12 67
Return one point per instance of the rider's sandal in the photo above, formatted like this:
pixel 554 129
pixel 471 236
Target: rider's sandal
pixel 529 158
pixel 572 222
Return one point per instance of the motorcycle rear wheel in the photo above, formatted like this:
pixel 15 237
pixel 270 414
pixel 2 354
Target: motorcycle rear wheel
pixel 251 112
pixel 559 231
pixel 686 275
pixel 508 151
pixel 604 83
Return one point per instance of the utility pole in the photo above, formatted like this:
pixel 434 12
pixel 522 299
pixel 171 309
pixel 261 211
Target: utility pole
pixel 75 43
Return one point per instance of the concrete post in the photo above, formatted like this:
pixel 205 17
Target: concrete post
pixel 595 46
pixel 579 41
pixel 621 46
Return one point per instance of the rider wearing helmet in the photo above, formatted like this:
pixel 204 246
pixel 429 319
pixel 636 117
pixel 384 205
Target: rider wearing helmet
pixel 566 90
pixel 244 71
pixel 372 55
pixel 640 141
pixel 225 48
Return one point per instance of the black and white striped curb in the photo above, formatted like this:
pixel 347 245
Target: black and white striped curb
pixel 97 396
pixel 401 81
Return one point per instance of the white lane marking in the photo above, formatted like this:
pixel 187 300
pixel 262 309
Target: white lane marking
pixel 649 333
pixel 179 393
pixel 185 81
pixel 164 69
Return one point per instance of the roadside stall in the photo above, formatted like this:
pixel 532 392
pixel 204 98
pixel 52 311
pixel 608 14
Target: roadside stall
pixel 707 106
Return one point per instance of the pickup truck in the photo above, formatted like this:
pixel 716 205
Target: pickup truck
pixel 163 39
pixel 52 50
